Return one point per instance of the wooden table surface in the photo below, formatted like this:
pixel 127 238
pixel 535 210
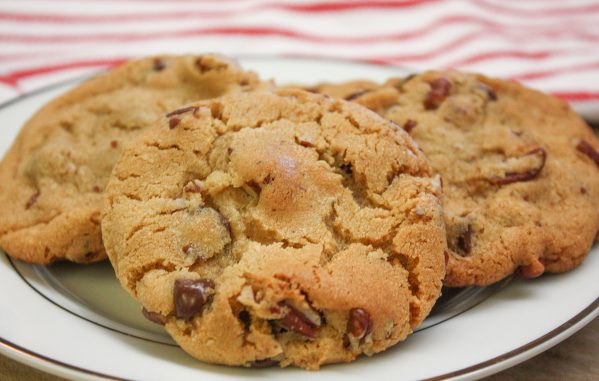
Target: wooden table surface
pixel 575 359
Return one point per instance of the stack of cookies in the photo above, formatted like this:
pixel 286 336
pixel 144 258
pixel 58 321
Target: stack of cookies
pixel 266 226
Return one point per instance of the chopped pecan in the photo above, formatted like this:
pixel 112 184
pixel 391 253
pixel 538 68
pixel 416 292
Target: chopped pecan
pixel 440 89
pixel 173 122
pixel 154 317
pixel 513 177
pixel 298 322
pixel 359 324
pixel 409 125
pixel 584 147
pixel 181 111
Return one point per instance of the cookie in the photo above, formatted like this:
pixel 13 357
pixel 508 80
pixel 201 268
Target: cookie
pixel 277 227
pixel 520 170
pixel 52 178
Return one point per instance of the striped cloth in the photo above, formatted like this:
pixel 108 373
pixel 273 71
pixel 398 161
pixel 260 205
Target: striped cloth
pixel 551 45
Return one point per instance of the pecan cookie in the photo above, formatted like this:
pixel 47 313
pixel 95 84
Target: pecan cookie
pixel 520 170
pixel 52 178
pixel 277 227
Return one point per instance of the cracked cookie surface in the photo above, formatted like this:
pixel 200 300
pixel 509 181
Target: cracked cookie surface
pixel 277 227
pixel 520 170
pixel 53 176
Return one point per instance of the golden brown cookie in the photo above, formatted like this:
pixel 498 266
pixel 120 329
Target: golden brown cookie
pixel 53 177
pixel 277 227
pixel 520 170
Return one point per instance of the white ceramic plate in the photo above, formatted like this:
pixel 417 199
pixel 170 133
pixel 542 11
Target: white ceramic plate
pixel 77 322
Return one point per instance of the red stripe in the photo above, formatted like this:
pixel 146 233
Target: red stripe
pixel 279 32
pixel 517 54
pixel 302 8
pixel 14 77
pixel 555 72
pixel 540 11
pixel 580 96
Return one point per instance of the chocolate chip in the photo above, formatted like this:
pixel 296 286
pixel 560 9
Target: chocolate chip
pixel 465 240
pixel 245 318
pixel 154 317
pixel 191 296
pixel 298 322
pixel 347 168
pixel 159 65
pixel 173 122
pixel 584 147
pixel 264 363
pixel 491 94
pixel 583 190
pixel 513 177
pixel 531 271
pixel 446 254
pixel 96 189
pixel 440 89
pixel 181 111
pixel 409 125
pixel 267 179
pixel 114 144
pixel 359 324
pixel 356 95
pixel 32 200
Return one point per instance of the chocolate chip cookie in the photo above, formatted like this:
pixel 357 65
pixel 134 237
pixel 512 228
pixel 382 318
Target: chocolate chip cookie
pixel 277 227
pixel 53 177
pixel 520 170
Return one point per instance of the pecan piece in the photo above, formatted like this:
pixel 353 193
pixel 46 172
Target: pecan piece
pixel 440 89
pixel 191 296
pixel 298 322
pixel 173 122
pixel 154 317
pixel 159 64
pixel 514 177
pixel 181 111
pixel 584 147
pixel 32 200
pixel 465 240
pixel 359 324
pixel 409 125
pixel 264 363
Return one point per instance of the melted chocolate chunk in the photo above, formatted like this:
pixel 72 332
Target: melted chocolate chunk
pixel 588 150
pixel 440 89
pixel 191 296
pixel 513 177
pixel 347 168
pixel 114 144
pixel 245 318
pixel 297 322
pixel 359 324
pixel 154 317
pixel 181 111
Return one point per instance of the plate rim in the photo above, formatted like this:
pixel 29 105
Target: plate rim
pixel 487 367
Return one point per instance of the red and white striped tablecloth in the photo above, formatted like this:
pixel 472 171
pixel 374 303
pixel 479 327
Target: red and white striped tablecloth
pixel 551 45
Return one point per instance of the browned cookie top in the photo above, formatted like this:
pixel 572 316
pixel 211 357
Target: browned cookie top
pixel 52 179
pixel 278 226
pixel 520 170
